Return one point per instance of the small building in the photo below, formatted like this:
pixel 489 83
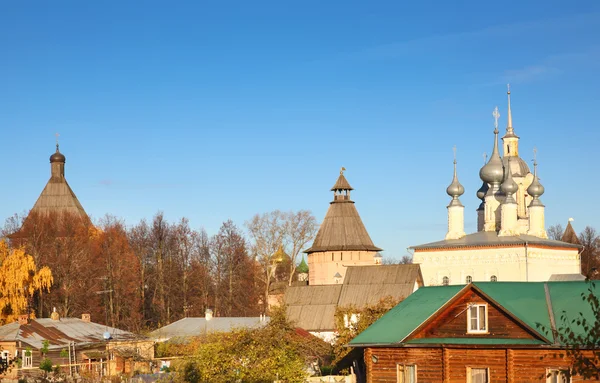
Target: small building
pixel 479 333
pixel 196 326
pixel 313 308
pixel 79 347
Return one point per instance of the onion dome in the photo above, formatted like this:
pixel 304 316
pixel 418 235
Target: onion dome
pixel 302 267
pixel 535 189
pixel 455 189
pixel 509 186
pixel 493 171
pixel 57 156
pixel 482 191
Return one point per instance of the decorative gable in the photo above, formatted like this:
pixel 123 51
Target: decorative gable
pixel 472 315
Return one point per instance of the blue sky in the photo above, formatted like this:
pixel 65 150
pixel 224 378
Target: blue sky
pixel 221 110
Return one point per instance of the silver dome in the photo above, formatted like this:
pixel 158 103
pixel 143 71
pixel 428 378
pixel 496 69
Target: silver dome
pixel 518 167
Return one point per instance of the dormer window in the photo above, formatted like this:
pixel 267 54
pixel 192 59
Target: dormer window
pixel 477 318
pixel 445 281
pixel 469 279
pixel 493 278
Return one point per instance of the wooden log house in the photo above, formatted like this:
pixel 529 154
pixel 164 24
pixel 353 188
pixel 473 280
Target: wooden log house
pixel 479 333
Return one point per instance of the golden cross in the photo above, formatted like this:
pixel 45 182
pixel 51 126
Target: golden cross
pixel 454 150
pixel 57 140
pixel 508 87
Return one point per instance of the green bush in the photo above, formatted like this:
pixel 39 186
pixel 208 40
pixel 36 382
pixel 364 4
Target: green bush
pixel 46 365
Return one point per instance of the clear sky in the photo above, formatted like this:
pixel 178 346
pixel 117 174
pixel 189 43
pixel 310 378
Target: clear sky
pixel 220 110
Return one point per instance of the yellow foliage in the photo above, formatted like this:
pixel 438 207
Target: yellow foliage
pixel 19 280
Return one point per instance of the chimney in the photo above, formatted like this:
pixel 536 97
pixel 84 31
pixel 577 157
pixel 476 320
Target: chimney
pixel 208 314
pixel 86 318
pixel 23 319
pixel 54 315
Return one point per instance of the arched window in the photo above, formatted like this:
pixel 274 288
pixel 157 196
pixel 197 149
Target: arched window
pixel 469 279
pixel 445 281
pixel 494 278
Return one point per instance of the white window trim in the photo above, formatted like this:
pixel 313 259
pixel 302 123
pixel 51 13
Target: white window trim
pixel 469 330
pixel 469 378
pixel 26 358
pixel 557 369
pixel 402 365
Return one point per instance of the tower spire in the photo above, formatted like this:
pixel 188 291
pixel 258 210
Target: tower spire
pixel 509 127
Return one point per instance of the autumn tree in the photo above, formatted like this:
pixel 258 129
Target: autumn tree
pixel 300 228
pixel 20 279
pixel 120 275
pixel 267 232
pixel 555 232
pixel 275 352
pixel 235 273
pixel 590 255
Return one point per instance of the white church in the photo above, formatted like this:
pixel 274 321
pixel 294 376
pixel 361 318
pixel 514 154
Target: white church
pixel 511 243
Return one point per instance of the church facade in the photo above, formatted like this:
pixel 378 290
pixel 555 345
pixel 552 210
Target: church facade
pixel 511 243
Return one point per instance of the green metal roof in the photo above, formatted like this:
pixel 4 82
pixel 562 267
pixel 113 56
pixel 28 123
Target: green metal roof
pixel 400 321
pixel 473 341
pixel 526 301
pixel 566 298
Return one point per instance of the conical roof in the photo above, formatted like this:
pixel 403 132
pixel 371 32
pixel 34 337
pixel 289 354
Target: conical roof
pixel 570 236
pixel 58 197
pixel 341 183
pixel 342 228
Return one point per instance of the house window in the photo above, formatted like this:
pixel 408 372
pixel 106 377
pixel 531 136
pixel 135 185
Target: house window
pixel 27 359
pixel 494 278
pixel 478 375
pixel 477 318
pixel 469 279
pixel 554 375
pixel 445 281
pixel 406 373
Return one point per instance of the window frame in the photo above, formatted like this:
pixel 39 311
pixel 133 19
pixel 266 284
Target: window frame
pixel 471 368
pixel 27 360
pixel 469 279
pixel 478 330
pixel 494 278
pixel 400 369
pixel 445 280
pixel 560 372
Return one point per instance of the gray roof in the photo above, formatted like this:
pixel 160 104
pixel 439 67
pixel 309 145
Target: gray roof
pixel 491 239
pixel 189 327
pixel 566 277
pixel 366 285
pixel 60 332
pixel 313 307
